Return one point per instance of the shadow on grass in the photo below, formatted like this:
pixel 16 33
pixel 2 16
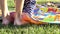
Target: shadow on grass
pixel 11 26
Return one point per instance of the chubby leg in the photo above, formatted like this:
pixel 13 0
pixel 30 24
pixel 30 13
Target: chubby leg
pixel 19 8
pixel 5 13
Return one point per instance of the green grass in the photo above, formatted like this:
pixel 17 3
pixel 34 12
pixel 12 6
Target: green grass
pixel 28 28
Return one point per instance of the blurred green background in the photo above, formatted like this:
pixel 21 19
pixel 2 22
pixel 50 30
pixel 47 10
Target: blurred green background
pixel 29 28
pixel 11 3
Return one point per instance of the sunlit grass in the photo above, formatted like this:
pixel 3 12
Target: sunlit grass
pixel 28 28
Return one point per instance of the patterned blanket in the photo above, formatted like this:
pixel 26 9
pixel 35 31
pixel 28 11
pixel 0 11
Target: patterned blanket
pixel 46 14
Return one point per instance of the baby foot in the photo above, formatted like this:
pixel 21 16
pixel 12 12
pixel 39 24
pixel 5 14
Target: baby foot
pixel 5 21
pixel 19 21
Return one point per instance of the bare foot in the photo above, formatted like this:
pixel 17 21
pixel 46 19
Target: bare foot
pixel 17 22
pixel 5 21
pixel 20 21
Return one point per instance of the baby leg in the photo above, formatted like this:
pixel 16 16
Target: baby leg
pixel 19 8
pixel 5 12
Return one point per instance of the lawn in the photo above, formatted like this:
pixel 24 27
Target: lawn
pixel 28 28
